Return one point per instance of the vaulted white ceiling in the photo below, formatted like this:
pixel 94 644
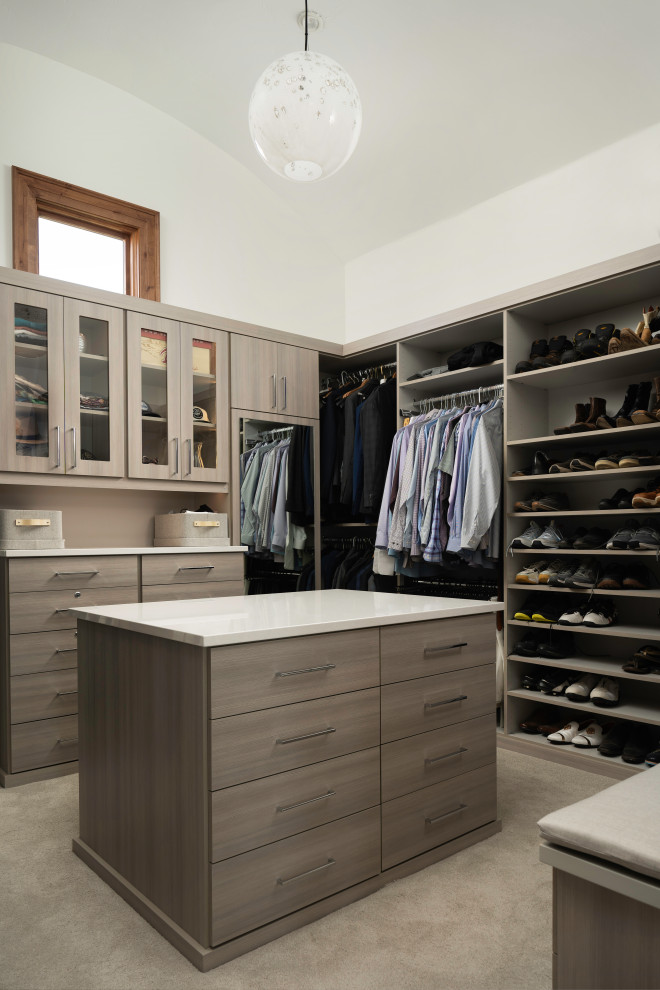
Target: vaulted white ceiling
pixel 462 99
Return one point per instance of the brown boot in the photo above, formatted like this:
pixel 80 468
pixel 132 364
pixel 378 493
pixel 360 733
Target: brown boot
pixel 581 413
pixel 641 413
pixel 597 409
pixel 629 340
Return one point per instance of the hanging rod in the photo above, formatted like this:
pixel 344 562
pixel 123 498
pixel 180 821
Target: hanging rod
pixel 347 375
pixel 471 396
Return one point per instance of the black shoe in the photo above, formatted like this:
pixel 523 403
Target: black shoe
pixel 559 646
pixel 638 745
pixel 613 502
pixel 531 679
pixel 584 462
pixel 622 417
pixel 556 347
pixel 612 578
pixel 550 503
pixel 615 740
pixel 528 646
pixel 541 463
pixel 593 539
pixel 568 541
pixel 622 537
pixel 586 575
pixel 638 577
pixel 538 349
pixel 625 501
pixel 647 537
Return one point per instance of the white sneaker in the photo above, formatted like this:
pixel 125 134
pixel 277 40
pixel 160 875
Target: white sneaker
pixel 565 735
pixel 549 538
pixel 526 539
pixel 530 574
pixel 551 570
pixel 591 737
pixel 580 690
pixel 606 693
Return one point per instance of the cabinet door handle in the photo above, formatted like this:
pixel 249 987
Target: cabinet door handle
pixel 284 380
pixel 433 821
pixel 59 446
pixel 439 649
pixel 274 377
pixel 71 649
pixel 305 670
pixel 61 694
pixel 67 740
pixel 198 567
pixel 74 573
pixel 308 735
pixel 449 701
pixel 74 438
pixel 307 873
pixel 189 471
pixel 301 804
pixel 176 462
pixel 436 759
pixel 59 610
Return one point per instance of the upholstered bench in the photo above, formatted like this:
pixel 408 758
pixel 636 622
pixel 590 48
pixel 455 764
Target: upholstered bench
pixel 605 855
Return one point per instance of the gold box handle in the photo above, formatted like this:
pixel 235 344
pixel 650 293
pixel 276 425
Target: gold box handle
pixel 32 522
pixel 199 523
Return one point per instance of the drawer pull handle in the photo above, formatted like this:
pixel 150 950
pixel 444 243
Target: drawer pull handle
pixel 67 740
pixel 305 670
pixel 73 573
pixel 33 522
pixel 449 701
pixel 71 649
pixel 447 756
pixel 60 694
pixel 440 649
pixel 301 804
pixel 433 821
pixel 307 873
pixel 198 567
pixel 58 610
pixel 308 735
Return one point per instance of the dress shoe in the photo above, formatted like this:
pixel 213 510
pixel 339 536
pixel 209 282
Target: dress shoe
pixel 542 463
pixel 525 504
pixel 553 502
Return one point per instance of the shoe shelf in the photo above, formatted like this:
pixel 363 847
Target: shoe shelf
pixel 593 370
pixel 609 592
pixel 633 711
pixel 452 381
pixel 620 435
pixel 648 469
pixel 598 513
pixel 585 759
pixel 619 630
pixel 585 553
pixel 586 665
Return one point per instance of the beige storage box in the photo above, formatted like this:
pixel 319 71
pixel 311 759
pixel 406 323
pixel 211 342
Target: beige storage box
pixel 191 529
pixel 31 529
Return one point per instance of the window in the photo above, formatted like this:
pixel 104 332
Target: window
pixel 82 256
pixel 43 207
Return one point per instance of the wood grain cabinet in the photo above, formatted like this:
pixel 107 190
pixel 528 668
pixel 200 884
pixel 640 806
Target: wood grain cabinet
pixel 274 378
pixel 274 767
pixel 172 577
pixel 46 342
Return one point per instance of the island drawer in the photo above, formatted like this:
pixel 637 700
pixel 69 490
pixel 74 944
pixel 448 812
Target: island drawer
pixel 427 818
pixel 181 568
pixel 431 757
pixel 253 676
pixel 33 653
pixel 60 573
pixel 431 702
pixel 251 815
pixel 50 609
pixel 418 649
pixel 37 696
pixel 246 747
pixel 253 889
pixel 179 592
pixel 44 743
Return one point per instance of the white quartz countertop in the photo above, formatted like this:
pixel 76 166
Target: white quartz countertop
pixel 248 619
pixel 115 551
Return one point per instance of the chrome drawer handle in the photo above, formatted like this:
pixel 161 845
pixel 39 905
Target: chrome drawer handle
pixel 449 701
pixel 198 567
pixel 67 740
pixel 447 756
pixel 58 610
pixel 305 670
pixel 301 804
pixel 439 649
pixel 307 873
pixel 432 821
pixel 73 573
pixel 60 694
pixel 59 446
pixel 308 735
pixel 71 649
pixel 274 378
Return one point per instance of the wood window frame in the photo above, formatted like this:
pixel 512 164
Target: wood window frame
pixel 35 196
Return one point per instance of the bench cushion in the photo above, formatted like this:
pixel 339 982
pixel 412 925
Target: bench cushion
pixel 620 824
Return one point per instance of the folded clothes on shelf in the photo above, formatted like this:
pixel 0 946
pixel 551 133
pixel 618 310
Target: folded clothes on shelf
pixel 475 355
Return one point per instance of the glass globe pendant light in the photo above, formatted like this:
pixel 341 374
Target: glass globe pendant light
pixel 305 115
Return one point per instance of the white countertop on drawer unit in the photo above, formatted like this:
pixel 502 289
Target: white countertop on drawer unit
pixel 115 551
pixel 247 619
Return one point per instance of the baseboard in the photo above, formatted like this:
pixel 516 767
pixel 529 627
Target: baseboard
pixel 41 773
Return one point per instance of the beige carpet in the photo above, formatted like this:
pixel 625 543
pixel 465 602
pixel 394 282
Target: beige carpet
pixel 479 919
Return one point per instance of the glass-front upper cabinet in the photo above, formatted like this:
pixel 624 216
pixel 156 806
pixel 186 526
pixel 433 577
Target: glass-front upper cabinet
pixel 204 404
pixel 94 411
pixel 32 399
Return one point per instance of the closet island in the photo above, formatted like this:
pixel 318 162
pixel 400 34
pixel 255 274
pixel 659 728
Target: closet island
pixel 249 764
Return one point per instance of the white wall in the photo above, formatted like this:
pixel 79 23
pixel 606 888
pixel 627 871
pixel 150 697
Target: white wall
pixel 229 246
pixel 598 207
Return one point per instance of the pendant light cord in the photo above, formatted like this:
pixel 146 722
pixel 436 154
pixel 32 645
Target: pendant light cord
pixel 305 25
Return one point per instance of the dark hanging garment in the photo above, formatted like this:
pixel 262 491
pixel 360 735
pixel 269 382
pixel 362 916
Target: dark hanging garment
pixel 300 494
pixel 378 426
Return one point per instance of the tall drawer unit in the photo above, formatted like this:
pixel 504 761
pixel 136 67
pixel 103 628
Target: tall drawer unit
pixel 38 654
pixel 177 576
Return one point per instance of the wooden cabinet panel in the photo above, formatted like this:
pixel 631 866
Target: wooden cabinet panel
pixel 180 568
pixel 48 695
pixel 419 761
pixel 298 381
pixel 44 743
pixel 431 702
pixel 251 815
pixel 204 445
pixel 418 649
pixel 427 818
pixel 250 890
pixel 33 653
pixel 181 592
pixel 50 609
pixel 36 574
pixel 252 676
pixel 246 747
pixel 254 383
